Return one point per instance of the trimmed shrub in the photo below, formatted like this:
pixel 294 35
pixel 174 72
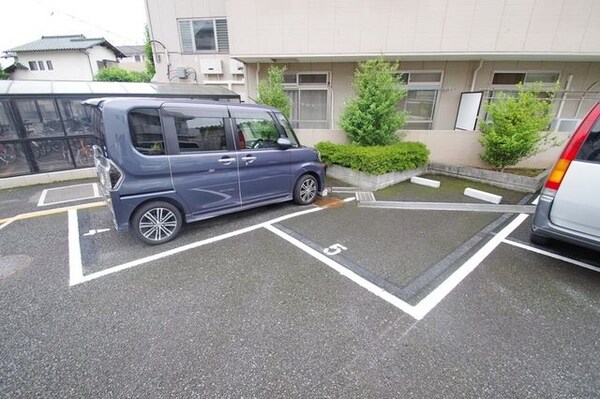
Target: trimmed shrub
pixel 270 91
pixel 375 160
pixel 514 129
pixel 372 117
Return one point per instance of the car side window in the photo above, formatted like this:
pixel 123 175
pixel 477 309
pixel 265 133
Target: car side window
pixel 590 151
pixel 256 133
pixel 198 134
pixel 146 131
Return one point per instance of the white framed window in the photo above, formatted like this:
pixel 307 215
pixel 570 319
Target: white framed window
pixel 310 98
pixel 33 66
pixel 506 82
pixel 511 78
pixel 49 65
pixel 421 97
pixel 204 35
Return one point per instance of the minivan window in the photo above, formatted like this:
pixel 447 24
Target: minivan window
pixel 289 132
pixel 146 131
pixel 590 151
pixel 195 134
pixel 256 133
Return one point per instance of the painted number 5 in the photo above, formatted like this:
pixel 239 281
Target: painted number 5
pixel 334 249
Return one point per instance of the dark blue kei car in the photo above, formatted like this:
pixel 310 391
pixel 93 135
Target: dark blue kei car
pixel 166 162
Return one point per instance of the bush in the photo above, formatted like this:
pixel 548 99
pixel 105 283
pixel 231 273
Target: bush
pixel 270 92
pixel 114 74
pixel 4 75
pixel 375 160
pixel 373 118
pixel 514 129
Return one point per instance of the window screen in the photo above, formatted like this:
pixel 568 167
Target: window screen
pixel 146 132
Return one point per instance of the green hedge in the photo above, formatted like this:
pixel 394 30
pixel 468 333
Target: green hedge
pixel 375 160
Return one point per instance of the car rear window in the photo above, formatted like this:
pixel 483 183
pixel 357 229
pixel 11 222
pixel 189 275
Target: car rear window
pixel 146 131
pixel 590 151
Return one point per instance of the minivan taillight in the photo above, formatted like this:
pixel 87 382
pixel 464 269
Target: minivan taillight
pixel 573 146
pixel 115 176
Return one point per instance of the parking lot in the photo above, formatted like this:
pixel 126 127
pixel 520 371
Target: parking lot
pixel 334 300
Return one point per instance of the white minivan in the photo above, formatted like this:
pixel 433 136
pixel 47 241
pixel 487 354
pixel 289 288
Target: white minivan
pixel 569 206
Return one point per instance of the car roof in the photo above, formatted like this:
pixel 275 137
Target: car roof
pixel 126 102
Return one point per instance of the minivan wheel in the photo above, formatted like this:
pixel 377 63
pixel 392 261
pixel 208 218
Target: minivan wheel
pixel 305 191
pixel 156 222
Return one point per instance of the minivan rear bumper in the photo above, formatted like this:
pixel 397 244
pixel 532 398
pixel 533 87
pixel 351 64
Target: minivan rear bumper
pixel 542 226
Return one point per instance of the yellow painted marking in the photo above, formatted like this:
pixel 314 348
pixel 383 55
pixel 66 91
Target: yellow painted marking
pixel 54 211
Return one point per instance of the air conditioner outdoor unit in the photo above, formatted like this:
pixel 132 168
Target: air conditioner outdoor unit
pixel 236 67
pixel 564 125
pixel 211 67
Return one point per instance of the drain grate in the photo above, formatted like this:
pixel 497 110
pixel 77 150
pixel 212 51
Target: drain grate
pixel 365 196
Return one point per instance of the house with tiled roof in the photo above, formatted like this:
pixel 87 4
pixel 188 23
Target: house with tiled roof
pixel 72 57
pixel 135 59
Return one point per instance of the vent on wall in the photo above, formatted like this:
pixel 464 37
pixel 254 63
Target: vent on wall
pixel 211 67
pixel 236 67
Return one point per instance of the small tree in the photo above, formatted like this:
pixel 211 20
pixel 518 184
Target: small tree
pixel 270 92
pixel 3 75
pixel 372 118
pixel 114 74
pixel 150 67
pixel 514 129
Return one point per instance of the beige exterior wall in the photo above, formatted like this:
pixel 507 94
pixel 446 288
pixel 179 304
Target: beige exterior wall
pixel 163 16
pixel 272 28
pixel 457 78
pixel 67 65
pixel 446 146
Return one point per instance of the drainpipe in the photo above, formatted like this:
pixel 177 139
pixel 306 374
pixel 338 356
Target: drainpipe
pixel 583 97
pixel 475 75
pixel 257 72
pixel 89 62
pixel 564 96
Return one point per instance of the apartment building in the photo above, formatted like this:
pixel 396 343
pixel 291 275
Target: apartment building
pixel 445 48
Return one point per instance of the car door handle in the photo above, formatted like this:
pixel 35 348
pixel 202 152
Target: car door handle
pixel 248 159
pixel 226 161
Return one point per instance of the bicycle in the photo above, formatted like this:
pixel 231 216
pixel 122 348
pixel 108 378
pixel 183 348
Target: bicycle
pixel 8 154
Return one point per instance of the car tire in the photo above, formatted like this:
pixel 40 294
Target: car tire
pixel 305 190
pixel 539 240
pixel 156 222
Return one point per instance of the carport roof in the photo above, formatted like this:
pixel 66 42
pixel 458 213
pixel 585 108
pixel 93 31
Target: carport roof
pixel 42 87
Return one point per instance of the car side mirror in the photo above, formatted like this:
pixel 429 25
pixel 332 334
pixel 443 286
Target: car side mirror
pixel 284 143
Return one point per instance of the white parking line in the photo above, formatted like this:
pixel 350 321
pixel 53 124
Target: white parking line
pixel 76 267
pixel 552 255
pixel 3 225
pixel 430 301
pixel 380 292
pixel 435 297
pixel 75 264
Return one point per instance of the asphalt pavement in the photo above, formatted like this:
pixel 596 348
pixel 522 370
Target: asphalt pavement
pixel 295 301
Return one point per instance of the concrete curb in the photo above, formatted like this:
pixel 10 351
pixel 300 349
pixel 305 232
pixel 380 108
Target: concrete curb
pixel 45 178
pixel 371 182
pixel 491 177
pixel 377 182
